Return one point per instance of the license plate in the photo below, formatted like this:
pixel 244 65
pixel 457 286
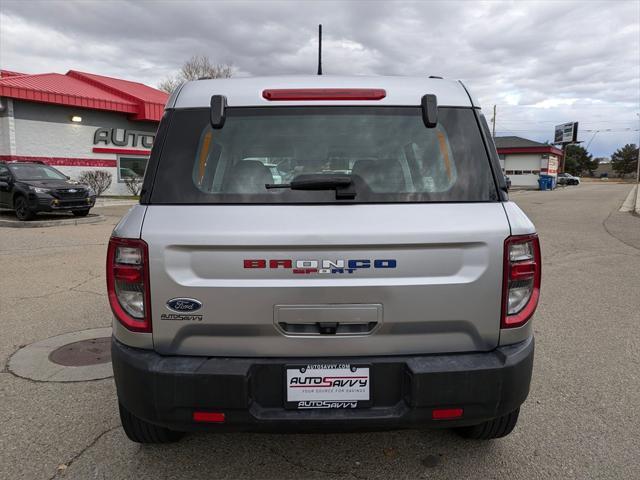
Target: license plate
pixel 327 386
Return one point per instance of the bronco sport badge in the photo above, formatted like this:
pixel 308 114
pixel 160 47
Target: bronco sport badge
pixel 321 266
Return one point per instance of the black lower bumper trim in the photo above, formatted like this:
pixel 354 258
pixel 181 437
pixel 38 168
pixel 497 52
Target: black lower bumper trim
pixel 405 389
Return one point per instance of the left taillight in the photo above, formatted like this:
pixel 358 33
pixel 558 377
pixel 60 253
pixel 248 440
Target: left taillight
pixel 521 283
pixel 128 283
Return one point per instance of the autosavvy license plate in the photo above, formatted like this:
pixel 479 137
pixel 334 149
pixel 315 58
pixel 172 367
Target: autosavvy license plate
pixel 327 386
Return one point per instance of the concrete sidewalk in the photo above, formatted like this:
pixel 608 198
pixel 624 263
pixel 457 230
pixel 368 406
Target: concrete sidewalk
pixel 102 202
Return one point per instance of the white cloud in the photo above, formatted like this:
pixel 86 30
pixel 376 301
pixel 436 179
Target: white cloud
pixel 540 62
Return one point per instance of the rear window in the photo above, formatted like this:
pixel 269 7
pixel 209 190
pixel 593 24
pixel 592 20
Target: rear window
pixel 387 151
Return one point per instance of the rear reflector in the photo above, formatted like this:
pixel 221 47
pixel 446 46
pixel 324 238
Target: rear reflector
pixel 446 413
pixel 208 417
pixel 297 94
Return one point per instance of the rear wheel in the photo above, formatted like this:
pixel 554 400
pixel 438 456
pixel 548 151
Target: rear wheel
pixel 144 432
pixel 21 206
pixel 80 213
pixel 495 428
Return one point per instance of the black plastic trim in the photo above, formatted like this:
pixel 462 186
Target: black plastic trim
pixel 165 390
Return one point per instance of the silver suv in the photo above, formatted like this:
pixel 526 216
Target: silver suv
pixel 383 281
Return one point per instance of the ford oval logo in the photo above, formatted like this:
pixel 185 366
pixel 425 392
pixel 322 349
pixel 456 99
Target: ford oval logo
pixel 184 305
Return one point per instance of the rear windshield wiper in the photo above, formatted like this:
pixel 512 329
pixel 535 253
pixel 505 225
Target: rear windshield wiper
pixel 342 184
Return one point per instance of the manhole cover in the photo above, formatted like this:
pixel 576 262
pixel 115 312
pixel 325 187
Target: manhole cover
pixel 85 352
pixel 70 357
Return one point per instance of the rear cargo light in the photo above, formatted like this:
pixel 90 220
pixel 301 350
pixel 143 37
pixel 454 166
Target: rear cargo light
pixel 446 413
pixel 209 417
pixel 294 94
pixel 521 283
pixel 128 283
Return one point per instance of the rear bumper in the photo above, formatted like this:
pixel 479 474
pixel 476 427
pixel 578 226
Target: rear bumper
pixel 167 390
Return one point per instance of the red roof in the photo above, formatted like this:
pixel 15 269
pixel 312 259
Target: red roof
pixel 542 149
pixel 86 90
pixel 9 73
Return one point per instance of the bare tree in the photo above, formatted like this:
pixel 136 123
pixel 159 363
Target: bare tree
pixel 133 184
pixel 198 66
pixel 98 180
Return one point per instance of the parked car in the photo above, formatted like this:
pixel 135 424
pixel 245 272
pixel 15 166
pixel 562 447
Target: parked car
pixel 399 295
pixel 31 187
pixel 567 179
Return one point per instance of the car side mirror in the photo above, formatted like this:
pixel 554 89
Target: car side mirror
pixel 5 178
pixel 218 111
pixel 429 110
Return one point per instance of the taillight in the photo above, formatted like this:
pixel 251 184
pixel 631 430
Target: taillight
pixel 128 283
pixel 521 284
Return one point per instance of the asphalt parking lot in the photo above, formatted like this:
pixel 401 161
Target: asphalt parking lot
pixel 581 420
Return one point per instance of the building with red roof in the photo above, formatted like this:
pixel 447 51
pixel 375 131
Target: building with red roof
pixel 79 121
pixel 524 160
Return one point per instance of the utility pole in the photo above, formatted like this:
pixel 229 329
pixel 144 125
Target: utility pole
pixel 637 203
pixel 493 121
pixel 638 167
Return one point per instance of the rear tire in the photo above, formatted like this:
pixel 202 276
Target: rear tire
pixel 144 432
pixel 495 428
pixel 21 207
pixel 80 213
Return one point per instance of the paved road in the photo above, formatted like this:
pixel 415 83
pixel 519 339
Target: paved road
pixel 581 420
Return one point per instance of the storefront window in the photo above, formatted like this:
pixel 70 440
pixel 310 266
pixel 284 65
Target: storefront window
pixel 129 167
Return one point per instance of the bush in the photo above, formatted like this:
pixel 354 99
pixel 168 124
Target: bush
pixel 98 180
pixel 134 185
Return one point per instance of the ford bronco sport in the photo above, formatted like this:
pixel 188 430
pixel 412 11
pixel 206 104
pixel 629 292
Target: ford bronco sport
pixel 381 279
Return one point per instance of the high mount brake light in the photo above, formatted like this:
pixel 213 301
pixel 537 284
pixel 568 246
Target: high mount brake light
pixel 301 94
pixel 128 283
pixel 521 279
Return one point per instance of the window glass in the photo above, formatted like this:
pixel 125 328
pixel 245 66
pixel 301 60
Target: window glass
pixel 387 151
pixel 31 171
pixel 131 167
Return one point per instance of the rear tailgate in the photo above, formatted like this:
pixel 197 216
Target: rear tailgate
pixel 437 287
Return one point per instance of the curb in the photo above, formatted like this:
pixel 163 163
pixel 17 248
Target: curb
pixel 632 202
pixel 95 218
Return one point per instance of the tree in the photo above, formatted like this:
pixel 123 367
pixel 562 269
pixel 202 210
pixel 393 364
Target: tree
pixel 578 161
pixel 133 184
pixel 98 180
pixel 625 160
pixel 198 66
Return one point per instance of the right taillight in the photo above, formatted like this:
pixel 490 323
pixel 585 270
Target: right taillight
pixel 128 283
pixel 521 284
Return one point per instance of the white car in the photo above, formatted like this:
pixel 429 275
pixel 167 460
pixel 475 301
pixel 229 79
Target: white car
pixel 567 179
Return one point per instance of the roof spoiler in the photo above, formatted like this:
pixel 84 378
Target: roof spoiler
pixel 218 114
pixel 429 110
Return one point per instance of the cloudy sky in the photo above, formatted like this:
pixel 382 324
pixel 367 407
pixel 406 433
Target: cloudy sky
pixel 542 63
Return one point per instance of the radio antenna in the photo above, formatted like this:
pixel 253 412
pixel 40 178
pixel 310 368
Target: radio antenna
pixel 320 49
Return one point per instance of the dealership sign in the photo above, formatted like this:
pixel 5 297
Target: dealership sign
pixel 566 133
pixel 121 137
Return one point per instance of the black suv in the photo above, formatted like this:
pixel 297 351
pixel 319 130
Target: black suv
pixel 32 187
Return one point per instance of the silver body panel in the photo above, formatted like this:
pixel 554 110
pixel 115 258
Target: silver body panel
pixel 242 92
pixel 443 296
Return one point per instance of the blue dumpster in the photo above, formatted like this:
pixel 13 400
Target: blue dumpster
pixel 545 182
pixel 542 183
